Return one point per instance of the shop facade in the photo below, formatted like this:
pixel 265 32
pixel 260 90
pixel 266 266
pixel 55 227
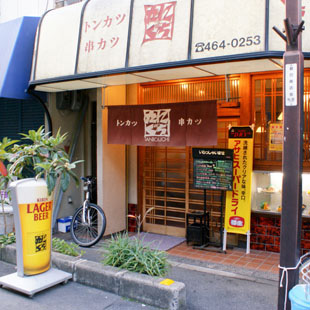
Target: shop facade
pixel 118 52
pixel 167 173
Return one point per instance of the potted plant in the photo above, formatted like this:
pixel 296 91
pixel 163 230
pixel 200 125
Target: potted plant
pixel 45 156
pixel 42 155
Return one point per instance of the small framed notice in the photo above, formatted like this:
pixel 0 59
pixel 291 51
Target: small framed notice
pixel 275 136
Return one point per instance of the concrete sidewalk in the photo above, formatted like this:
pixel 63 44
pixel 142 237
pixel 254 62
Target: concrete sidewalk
pixel 96 254
pixel 89 270
pixel 220 286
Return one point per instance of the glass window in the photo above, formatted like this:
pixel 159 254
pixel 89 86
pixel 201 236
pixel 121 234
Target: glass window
pixel 268 112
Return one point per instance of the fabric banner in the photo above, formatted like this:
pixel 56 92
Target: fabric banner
pixel 238 201
pixel 173 124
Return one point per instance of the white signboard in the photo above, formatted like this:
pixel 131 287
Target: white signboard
pixel 276 18
pixel 228 27
pixel 58 39
pixel 291 84
pixel 104 35
pixel 160 31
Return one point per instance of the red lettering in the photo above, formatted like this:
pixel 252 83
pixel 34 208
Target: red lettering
pixel 42 209
pixel 35 208
pixel 40 216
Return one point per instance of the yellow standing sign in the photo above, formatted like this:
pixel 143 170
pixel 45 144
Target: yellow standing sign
pixel 35 219
pixel 238 201
pixel 33 210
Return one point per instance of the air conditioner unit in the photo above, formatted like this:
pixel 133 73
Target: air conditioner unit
pixel 70 100
pixel 63 100
pixel 77 100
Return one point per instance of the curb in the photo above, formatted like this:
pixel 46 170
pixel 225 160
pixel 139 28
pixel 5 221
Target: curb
pixel 140 287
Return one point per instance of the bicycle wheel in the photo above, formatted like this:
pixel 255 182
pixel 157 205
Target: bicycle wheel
pixel 89 232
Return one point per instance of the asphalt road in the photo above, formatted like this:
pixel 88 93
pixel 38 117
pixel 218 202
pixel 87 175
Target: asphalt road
pixel 217 292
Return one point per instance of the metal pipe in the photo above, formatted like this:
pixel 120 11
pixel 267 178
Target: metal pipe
pixel 46 111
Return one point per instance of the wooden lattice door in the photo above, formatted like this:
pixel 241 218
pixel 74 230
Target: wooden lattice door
pixel 165 173
pixel 167 186
pixel 164 190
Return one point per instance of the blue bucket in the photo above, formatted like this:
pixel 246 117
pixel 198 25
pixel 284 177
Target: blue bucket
pixel 299 299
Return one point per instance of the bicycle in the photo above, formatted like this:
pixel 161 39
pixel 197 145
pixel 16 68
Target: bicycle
pixel 89 221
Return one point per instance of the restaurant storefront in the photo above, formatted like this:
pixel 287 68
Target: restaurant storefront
pixel 163 52
pixel 166 181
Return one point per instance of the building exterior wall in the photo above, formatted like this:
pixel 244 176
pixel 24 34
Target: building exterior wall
pixel 111 165
pixel 11 9
pixel 66 121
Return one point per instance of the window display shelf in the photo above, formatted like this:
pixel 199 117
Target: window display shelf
pixel 267 193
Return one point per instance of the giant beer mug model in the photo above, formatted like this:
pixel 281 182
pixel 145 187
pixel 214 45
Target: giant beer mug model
pixel 33 209
pixel 33 225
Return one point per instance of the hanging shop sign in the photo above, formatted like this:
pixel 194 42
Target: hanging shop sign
pixel 175 124
pixel 213 168
pixel 275 136
pixel 238 201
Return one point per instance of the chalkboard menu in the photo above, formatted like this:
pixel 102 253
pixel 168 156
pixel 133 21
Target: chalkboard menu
pixel 213 168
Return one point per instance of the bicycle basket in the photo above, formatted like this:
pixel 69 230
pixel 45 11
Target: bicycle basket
pixel 304 274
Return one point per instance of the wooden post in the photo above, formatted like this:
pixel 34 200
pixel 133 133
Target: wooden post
pixel 292 152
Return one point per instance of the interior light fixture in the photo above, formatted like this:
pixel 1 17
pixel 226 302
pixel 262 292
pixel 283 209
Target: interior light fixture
pixel 260 129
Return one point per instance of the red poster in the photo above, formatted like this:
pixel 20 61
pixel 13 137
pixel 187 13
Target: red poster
pixel 174 124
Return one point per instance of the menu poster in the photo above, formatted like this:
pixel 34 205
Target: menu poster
pixel 213 168
pixel 275 136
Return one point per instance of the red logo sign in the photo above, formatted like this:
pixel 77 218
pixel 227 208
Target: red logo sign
pixel 159 21
pixel 236 221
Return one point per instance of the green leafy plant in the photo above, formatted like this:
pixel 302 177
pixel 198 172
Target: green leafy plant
pixel 46 157
pixel 7 239
pixel 5 177
pixel 130 253
pixel 68 248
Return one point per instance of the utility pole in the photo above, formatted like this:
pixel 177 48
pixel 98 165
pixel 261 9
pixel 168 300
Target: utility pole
pixel 292 156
